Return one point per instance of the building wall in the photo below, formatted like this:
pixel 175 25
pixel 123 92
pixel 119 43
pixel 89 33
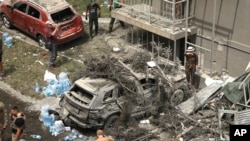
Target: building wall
pixel 231 48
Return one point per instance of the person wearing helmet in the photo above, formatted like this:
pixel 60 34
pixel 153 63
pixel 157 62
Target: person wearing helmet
pixel 191 65
pixel 94 11
pixel 3 119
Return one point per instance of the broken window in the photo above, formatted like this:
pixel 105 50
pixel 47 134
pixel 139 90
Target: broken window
pixel 62 15
pixel 21 7
pixel 81 95
pixel 120 92
pixel 108 96
pixel 33 12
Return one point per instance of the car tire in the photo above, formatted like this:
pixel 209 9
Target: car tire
pixel 177 97
pixel 6 21
pixel 67 122
pixel 110 122
pixel 41 41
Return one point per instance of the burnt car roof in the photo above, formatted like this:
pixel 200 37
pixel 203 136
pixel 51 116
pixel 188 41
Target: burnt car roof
pixel 94 84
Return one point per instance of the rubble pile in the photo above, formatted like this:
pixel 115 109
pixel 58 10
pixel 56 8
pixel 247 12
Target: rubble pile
pixel 121 71
pixel 193 119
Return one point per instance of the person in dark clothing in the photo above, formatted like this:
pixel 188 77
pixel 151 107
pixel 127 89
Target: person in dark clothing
pixel 17 119
pixel 114 5
pixel 51 44
pixel 191 64
pixel 92 9
pixel 17 128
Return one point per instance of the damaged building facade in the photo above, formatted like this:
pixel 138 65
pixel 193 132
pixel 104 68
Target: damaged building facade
pixel 216 28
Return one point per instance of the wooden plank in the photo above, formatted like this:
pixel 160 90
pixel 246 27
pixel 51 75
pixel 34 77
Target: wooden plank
pixel 198 99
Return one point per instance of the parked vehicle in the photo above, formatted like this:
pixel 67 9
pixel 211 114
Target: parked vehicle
pixel 30 16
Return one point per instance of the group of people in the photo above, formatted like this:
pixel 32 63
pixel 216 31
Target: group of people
pixel 93 11
pixel 16 120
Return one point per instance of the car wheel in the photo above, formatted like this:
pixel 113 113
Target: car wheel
pixel 41 41
pixel 6 21
pixel 67 122
pixel 177 97
pixel 110 122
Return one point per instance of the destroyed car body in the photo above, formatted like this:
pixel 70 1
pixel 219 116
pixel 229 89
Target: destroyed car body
pixel 31 16
pixel 98 102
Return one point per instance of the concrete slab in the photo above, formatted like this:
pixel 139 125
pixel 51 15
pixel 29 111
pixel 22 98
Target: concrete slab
pixel 198 99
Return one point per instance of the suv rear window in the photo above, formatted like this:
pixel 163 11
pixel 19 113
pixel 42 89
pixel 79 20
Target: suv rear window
pixel 81 95
pixel 63 15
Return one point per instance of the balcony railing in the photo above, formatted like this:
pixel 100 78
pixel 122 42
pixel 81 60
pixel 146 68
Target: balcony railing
pixel 162 13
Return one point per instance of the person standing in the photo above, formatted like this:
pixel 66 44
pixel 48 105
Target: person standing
pixel 1 59
pixel 51 44
pixel 114 5
pixel 92 9
pixel 191 65
pixel 3 119
pixel 101 136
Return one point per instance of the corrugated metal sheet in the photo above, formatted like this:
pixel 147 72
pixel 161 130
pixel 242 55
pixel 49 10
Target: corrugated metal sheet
pixel 242 117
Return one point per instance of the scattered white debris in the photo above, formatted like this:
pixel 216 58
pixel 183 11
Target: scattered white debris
pixel 116 49
pixel 151 64
pixel 145 121
pixel 40 62
pixel 34 54
pixel 49 76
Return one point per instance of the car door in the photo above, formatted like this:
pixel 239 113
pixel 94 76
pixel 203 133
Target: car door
pixel 33 21
pixel 19 14
pixel 149 90
pixel 121 97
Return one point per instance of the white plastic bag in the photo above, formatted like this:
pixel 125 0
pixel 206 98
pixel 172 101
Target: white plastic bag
pixel 49 76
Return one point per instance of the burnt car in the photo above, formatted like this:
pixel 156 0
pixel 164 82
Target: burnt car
pixel 98 102
pixel 31 16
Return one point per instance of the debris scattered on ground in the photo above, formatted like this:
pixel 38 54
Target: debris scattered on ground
pixel 56 86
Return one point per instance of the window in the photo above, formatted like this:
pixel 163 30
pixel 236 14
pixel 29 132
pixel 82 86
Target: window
pixel 108 96
pixel 21 7
pixel 62 15
pixel 120 92
pixel 33 12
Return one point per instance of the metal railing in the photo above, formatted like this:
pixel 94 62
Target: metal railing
pixel 165 13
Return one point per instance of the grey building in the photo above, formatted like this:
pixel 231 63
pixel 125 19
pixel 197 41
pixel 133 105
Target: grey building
pixel 217 28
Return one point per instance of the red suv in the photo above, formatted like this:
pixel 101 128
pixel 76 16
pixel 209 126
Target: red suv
pixel 31 15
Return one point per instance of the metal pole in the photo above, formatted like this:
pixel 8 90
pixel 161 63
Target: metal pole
pixel 174 50
pixel 152 45
pixel 186 24
pixel 186 33
pixel 132 27
pixel 213 33
pixel 173 14
pixel 150 11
